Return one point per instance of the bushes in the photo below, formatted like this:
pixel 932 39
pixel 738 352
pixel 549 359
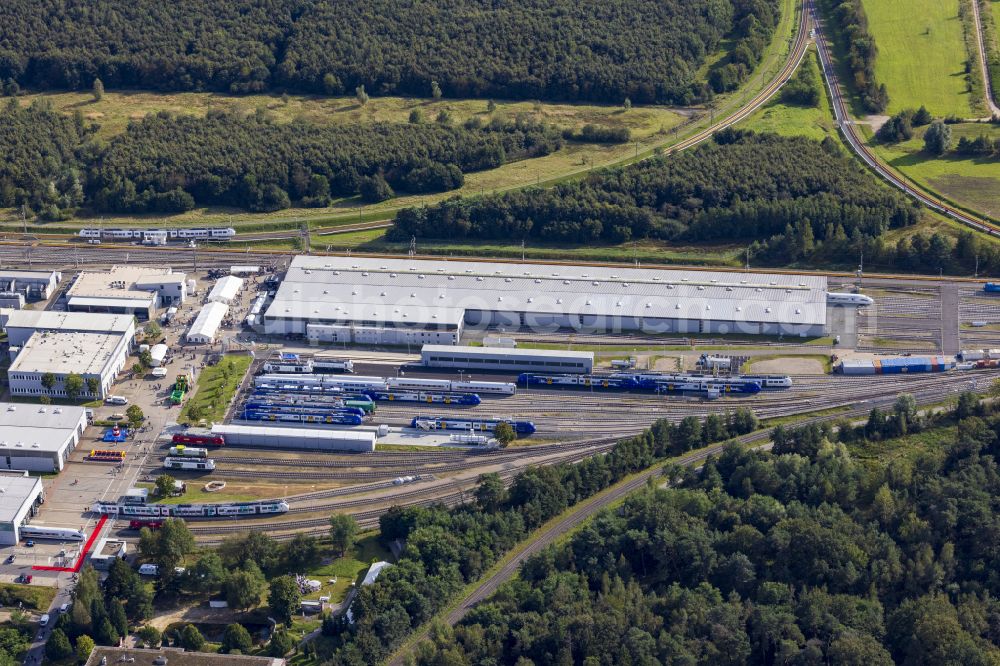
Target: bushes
pixel 852 24
pixel 803 90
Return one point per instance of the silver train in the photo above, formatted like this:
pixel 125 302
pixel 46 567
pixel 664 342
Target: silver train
pixel 155 236
pixel 191 510
pixel 203 464
pixel 55 533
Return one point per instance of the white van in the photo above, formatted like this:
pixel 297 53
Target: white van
pixel 149 570
pixel 159 373
pixel 116 400
pixel 44 620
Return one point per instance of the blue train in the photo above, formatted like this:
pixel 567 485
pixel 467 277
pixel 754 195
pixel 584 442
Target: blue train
pixel 992 287
pixel 657 382
pixel 268 406
pixel 478 425
pixel 421 396
pixel 330 418
pixel 608 382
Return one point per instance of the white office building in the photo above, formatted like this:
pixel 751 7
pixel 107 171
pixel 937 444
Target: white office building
pixel 39 438
pixel 92 356
pixel 20 324
pixel 135 290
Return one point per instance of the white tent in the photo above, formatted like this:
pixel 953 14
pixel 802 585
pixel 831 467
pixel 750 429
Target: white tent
pixel 206 325
pixel 225 290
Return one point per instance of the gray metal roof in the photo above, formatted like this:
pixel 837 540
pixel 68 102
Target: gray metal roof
pixel 512 352
pixel 15 492
pixel 93 322
pixel 405 290
pixel 27 427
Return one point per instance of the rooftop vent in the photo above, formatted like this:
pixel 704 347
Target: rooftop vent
pixel 767 309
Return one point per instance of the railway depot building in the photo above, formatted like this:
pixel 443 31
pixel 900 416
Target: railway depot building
pixel 100 356
pixel 133 290
pixel 406 301
pixel 38 438
pixel 21 324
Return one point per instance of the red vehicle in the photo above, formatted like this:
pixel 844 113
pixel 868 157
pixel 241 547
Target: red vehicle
pixel 203 440
pixel 139 524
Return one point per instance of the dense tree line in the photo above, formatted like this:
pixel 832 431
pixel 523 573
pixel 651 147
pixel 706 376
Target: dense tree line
pixel 851 23
pixel 900 126
pixel 804 88
pixel 646 50
pixel 741 186
pixel 251 162
pixel 446 548
pixel 166 163
pixel 806 556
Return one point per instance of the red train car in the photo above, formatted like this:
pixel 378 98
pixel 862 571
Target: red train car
pixel 139 524
pixel 206 439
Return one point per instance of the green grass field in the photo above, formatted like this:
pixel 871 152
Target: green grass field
pixel 967 181
pixel 921 54
pixel 812 122
pixel 216 386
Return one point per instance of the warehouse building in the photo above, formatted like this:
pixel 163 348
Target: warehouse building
pixel 206 324
pixel 99 356
pixel 12 299
pixel 509 360
pixel 280 437
pixel 404 301
pixel 39 438
pixel 20 497
pixel 225 290
pixel 20 324
pixel 34 285
pixel 135 290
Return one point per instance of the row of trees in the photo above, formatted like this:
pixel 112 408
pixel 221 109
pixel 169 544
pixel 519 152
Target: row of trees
pixel 851 22
pixel 446 548
pixel 646 50
pixel 801 556
pixel 740 186
pixel 755 21
pixel 169 164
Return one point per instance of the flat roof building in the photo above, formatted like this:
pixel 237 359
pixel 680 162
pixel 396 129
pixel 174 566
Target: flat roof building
pixel 500 359
pixel 20 496
pixel 341 299
pixel 206 324
pixel 99 356
pixel 107 551
pixel 174 657
pixel 20 324
pixel 226 289
pixel 39 438
pixel 136 290
pixel 282 437
pixel 35 285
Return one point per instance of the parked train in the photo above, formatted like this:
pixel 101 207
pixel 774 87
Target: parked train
pixel 362 402
pixel 297 366
pixel 263 507
pixel 188 452
pixel 363 384
pixel 139 524
pixel 198 436
pixel 836 298
pixel 206 233
pixel 469 425
pixel 196 464
pixel 658 382
pixel 992 287
pixel 333 419
pixel 617 383
pixel 770 381
pixel 422 396
pixel 280 408
pixel 55 533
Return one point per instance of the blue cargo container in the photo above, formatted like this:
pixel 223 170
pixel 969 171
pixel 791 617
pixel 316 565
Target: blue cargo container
pixel 896 366
pixel 992 287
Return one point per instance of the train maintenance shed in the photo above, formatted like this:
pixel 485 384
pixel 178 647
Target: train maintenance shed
pixel 280 437
pixel 405 301
pixel 506 359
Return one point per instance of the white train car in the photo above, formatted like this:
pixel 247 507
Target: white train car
pixel 54 533
pixel 194 464
pixel 501 388
pixel 160 236
pixel 860 300
pixel 407 384
pixel 263 507
pixel 188 452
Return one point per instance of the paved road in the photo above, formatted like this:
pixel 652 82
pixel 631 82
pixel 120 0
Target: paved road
pixel 981 41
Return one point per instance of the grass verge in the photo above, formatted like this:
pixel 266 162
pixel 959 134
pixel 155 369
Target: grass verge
pixel 216 386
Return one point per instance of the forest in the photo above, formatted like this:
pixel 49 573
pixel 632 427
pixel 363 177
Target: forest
pixel 801 197
pixel 167 164
pixel 447 548
pixel 851 24
pixel 644 50
pixel 803 555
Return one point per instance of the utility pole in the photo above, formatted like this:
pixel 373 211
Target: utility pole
pixel 748 259
pixel 522 250
pixel 413 246
pixel 24 218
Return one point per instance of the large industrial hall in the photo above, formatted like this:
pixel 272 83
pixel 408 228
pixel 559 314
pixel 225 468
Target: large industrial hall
pixel 400 301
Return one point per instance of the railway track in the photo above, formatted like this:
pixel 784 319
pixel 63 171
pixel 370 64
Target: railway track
pixel 858 144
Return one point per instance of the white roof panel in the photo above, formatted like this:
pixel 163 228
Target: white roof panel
pixel 207 323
